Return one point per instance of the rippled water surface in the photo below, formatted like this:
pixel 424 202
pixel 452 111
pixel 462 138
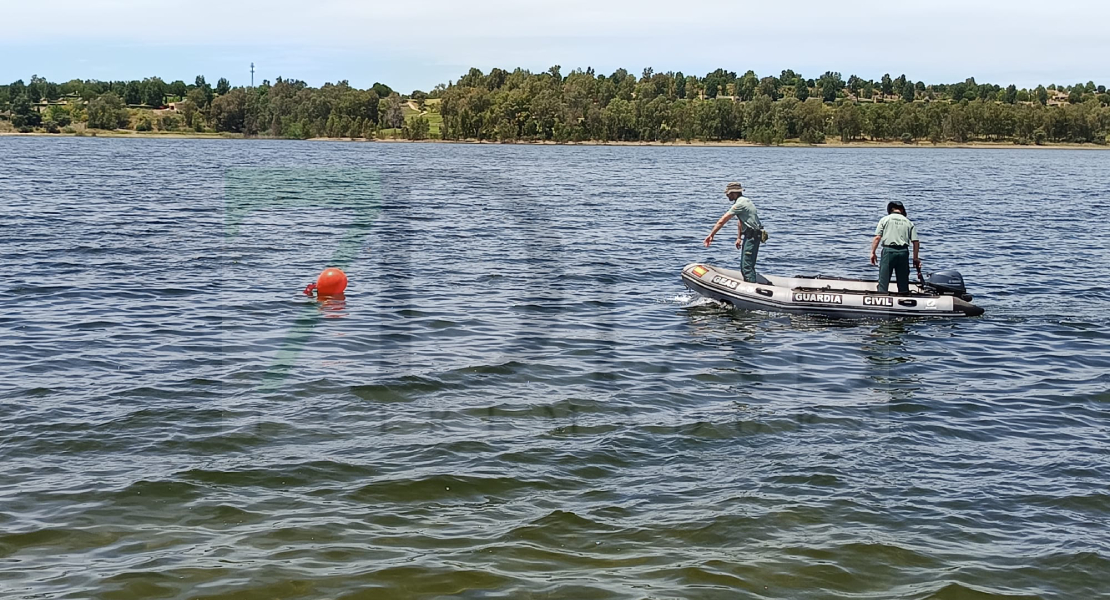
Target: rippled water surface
pixel 518 399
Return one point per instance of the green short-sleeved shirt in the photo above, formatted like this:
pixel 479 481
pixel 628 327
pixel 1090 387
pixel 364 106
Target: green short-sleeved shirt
pixel 896 230
pixel 744 210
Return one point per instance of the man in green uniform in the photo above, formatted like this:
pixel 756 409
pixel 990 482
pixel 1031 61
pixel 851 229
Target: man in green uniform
pixel 896 232
pixel 749 231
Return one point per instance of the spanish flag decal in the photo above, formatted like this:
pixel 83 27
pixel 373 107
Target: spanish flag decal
pixel 700 270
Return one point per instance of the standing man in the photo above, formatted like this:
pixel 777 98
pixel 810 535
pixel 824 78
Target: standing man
pixel 895 232
pixel 749 231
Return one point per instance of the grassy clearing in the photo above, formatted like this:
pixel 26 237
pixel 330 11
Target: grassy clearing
pixel 435 122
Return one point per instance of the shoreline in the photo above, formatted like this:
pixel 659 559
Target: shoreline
pixel 978 145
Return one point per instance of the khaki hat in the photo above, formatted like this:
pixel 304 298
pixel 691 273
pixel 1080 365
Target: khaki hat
pixel 734 187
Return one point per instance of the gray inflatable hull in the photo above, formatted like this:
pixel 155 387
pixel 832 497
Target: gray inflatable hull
pixel 828 296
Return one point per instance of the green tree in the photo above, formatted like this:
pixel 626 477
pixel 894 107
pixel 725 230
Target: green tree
pixel 16 88
pixel 619 120
pixel 759 125
pixel 899 83
pixel 887 85
pixel 188 110
pixel 178 88
pixel 813 118
pixel 768 86
pixel 801 90
pixel 909 122
pixel 59 115
pixel 416 128
pixel 153 91
pixel 855 85
pixel 205 89
pixel 23 114
pixel 198 98
pixel 229 111
pixel 36 89
pixel 1041 95
pixel 879 121
pixel 546 110
pixel 908 91
pixel 957 126
pixel 107 111
pixel 133 93
pixel 391 114
pixel 831 84
pixel 384 91
pixel 498 77
pixel 956 91
pixel 848 121
pixel 693 88
pixel 222 86
pixel 716 81
pixel 746 86
pixel 1011 94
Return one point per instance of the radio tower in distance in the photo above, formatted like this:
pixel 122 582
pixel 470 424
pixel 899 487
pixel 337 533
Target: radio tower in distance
pixel 252 74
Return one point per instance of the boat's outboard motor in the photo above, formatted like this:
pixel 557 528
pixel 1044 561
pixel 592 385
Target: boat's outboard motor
pixel 949 283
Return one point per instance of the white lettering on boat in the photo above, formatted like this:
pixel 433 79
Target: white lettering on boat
pixel 725 281
pixel 878 301
pixel 821 298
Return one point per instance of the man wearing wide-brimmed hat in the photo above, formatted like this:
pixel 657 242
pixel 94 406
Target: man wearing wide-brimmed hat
pixel 749 231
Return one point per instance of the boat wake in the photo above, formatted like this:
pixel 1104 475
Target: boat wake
pixel 689 299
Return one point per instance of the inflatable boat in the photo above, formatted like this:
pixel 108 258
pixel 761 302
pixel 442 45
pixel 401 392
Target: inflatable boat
pixel 941 294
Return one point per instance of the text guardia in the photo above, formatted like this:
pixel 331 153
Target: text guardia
pixel 821 298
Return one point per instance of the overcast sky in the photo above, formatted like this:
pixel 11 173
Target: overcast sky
pixel 415 44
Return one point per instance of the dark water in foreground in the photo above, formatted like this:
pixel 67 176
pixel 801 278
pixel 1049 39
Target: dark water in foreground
pixel 518 399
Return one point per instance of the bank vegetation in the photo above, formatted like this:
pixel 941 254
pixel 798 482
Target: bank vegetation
pixel 581 106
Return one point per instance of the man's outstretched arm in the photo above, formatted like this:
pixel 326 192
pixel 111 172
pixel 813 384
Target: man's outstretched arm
pixel 720 223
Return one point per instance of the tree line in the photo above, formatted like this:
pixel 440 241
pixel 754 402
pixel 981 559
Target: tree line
pixel 585 106
pixel 665 107
pixel 285 108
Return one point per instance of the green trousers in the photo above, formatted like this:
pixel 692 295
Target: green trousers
pixel 748 253
pixel 898 261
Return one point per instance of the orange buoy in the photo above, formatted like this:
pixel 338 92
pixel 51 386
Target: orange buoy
pixel 331 282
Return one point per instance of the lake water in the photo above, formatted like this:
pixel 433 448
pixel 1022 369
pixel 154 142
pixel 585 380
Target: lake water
pixel 517 398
